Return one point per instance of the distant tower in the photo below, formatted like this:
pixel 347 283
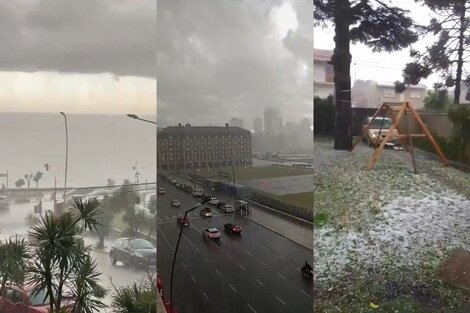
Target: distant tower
pixel 271 121
pixel 237 122
pixel 258 125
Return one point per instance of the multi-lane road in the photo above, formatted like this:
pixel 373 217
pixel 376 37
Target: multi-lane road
pixel 256 272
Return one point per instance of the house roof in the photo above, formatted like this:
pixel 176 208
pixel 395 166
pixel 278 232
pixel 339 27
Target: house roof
pixel 322 55
pixel 390 84
pixel 202 131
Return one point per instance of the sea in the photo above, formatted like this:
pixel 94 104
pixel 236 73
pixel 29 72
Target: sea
pixel 101 147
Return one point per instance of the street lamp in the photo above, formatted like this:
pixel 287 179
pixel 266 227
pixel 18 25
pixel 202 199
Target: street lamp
pixel 205 200
pixel 135 117
pixel 66 152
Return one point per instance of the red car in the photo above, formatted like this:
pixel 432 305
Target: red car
pixel 22 300
pixel 184 221
pixel 232 228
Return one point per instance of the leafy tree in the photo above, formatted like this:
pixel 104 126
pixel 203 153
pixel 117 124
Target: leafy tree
pixel 372 22
pixel 111 182
pixel 14 254
pixel 140 297
pixel 37 177
pixel 107 213
pixel 152 205
pixel 61 260
pixel 20 183
pixel 448 53
pixel 324 116
pixel 460 117
pixel 126 197
pixel 436 100
pixel 28 179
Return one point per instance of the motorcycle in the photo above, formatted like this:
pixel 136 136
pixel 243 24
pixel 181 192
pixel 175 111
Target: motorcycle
pixel 307 272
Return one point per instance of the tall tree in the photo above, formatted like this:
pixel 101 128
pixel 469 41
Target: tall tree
pixel 28 179
pixel 448 53
pixel 19 183
pixel 436 100
pixel 372 22
pixel 37 177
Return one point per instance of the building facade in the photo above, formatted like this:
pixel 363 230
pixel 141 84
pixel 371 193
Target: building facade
pixel 372 94
pixel 271 122
pixel 323 79
pixel 186 147
pixel 258 125
pixel 237 122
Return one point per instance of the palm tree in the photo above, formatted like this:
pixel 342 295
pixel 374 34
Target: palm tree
pixel 14 254
pixel 140 297
pixel 28 179
pixel 61 258
pixel 20 183
pixel 37 177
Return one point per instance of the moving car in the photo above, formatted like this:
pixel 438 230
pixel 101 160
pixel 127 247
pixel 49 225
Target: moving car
pixel 213 201
pixel 232 228
pixel 211 233
pixel 161 191
pixel 188 189
pixel 198 192
pixel 183 221
pixel 175 203
pixel 220 205
pixel 22 300
pixel 227 208
pixel 133 251
pixel 206 212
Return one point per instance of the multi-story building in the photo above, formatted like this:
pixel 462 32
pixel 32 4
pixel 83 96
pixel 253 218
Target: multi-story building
pixel 323 80
pixel 271 122
pixel 258 125
pixel 186 147
pixel 237 122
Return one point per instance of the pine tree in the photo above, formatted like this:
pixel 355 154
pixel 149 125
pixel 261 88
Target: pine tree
pixel 447 54
pixel 372 22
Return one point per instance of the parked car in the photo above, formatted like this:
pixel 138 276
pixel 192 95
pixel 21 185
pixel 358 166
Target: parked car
pixel 232 228
pixel 24 300
pixel 188 189
pixel 175 203
pixel 161 191
pixel 211 233
pixel 380 126
pixel 220 205
pixel 213 201
pixel 133 251
pixel 206 212
pixel 184 221
pixel 227 208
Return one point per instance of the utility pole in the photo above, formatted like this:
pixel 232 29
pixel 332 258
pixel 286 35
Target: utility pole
pixel 66 152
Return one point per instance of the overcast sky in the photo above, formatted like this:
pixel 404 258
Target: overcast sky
pixel 384 67
pixel 82 56
pixel 233 58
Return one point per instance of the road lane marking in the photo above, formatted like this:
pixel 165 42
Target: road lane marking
pixel 251 308
pixel 197 250
pixel 241 266
pixel 261 262
pixel 266 249
pixel 217 271
pixel 184 265
pixel 164 237
pixel 259 282
pixel 206 260
pixel 205 296
pixel 304 293
pixel 280 300
pixel 194 279
pixel 166 217
pixel 281 276
pixel 233 288
pixel 248 252
pixel 234 243
pixel 228 255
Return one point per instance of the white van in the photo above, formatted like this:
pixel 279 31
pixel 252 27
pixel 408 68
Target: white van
pixel 198 193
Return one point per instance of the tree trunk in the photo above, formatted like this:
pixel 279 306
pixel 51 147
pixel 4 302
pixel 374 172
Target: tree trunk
pixel 341 61
pixel 101 241
pixel 458 76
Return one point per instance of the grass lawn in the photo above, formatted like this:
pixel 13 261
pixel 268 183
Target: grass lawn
pixel 303 199
pixel 243 174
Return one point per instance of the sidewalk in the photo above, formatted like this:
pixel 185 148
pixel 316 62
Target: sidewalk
pixel 290 227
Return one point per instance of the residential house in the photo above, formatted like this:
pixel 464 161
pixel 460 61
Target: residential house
pixel 323 81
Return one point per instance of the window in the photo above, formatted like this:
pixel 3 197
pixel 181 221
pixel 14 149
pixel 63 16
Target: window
pixel 416 94
pixel 389 93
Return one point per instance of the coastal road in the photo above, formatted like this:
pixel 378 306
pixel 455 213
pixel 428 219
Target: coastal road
pixel 256 272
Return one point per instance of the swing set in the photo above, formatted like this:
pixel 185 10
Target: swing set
pixel 386 109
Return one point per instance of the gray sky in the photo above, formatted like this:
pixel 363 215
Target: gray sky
pixel 233 58
pixel 385 67
pixel 80 56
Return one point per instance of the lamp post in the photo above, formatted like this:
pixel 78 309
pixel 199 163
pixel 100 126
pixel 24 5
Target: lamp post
pixel 135 117
pixel 66 152
pixel 205 200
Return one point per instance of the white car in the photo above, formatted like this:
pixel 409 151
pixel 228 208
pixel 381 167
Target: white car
pixel 227 208
pixel 211 233
pixel 213 201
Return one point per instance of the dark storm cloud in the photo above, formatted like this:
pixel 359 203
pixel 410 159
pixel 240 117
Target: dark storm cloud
pixel 85 36
pixel 216 60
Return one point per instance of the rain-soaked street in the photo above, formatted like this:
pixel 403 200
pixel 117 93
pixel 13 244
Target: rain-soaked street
pixel 13 221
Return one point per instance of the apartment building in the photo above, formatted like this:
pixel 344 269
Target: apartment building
pixel 186 147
